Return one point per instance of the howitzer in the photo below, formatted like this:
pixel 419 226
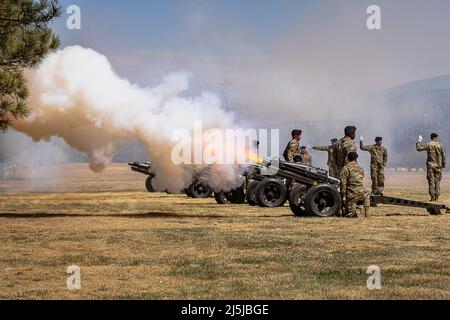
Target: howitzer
pixel 144 168
pixel 198 189
pixel 309 190
pixel 272 183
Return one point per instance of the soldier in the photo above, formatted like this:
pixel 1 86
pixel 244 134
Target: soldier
pixel 331 149
pixel 344 147
pixel 435 164
pixel 306 157
pixel 352 188
pixel 378 162
pixel 293 147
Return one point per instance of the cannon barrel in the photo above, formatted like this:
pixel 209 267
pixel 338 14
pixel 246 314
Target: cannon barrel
pixel 144 168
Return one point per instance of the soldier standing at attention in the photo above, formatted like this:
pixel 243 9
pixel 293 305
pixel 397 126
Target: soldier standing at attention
pixel 344 147
pixel 306 157
pixel 331 149
pixel 378 162
pixel 435 164
pixel 293 148
pixel 352 188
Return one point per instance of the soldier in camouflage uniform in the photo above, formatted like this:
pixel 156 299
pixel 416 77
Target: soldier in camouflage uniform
pixel 331 149
pixel 293 148
pixel 378 162
pixel 344 147
pixel 306 157
pixel 352 188
pixel 435 164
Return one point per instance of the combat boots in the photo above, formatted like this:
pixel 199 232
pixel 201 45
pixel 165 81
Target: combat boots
pixel 433 199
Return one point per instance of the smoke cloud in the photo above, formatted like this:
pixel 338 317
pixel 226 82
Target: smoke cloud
pixel 76 95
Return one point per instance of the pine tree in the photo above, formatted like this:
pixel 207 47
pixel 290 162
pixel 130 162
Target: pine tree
pixel 25 40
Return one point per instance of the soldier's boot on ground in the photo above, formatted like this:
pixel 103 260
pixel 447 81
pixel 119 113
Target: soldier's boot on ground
pixel 433 199
pixel 351 211
pixel 373 204
pixel 436 199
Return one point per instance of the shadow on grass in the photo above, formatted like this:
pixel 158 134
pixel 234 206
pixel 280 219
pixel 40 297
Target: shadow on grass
pixel 148 215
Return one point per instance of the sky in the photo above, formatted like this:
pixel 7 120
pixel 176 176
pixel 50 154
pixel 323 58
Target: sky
pixel 176 34
pixel 158 24
pixel 146 39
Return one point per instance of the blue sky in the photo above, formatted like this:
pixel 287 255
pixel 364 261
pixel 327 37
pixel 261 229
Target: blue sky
pixel 159 24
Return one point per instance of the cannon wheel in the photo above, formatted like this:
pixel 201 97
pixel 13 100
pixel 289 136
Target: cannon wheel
pixel 323 201
pixel 199 190
pixel 251 193
pixel 188 193
pixel 148 184
pixel 236 196
pixel 271 193
pixel 297 197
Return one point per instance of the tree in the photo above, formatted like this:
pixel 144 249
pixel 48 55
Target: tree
pixel 25 40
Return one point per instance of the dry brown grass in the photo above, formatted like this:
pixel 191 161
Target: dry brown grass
pixel 134 245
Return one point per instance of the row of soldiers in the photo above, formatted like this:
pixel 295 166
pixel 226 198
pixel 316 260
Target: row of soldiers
pixel 343 165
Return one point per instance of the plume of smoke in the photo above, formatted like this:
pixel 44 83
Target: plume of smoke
pixel 76 95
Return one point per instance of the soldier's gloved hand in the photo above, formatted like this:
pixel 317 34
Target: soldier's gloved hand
pixel 420 139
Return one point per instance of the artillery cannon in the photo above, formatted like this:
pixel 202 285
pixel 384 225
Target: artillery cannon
pixel 309 190
pixel 198 189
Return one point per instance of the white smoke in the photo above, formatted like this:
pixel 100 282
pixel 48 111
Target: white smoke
pixel 76 95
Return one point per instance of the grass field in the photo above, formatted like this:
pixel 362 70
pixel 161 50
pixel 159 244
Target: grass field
pixel 131 244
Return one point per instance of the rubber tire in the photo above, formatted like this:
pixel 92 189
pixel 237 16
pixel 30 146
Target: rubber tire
pixel 221 198
pixel 236 196
pixel 188 193
pixel 251 193
pixel 298 209
pixel 274 183
pixel 196 194
pixel 148 184
pixel 333 195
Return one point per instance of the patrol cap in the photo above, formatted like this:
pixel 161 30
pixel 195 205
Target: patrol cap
pixel 378 139
pixel 334 140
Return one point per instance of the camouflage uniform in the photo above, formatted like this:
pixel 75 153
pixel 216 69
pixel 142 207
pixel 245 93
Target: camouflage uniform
pixel 292 150
pixel 333 172
pixel 352 188
pixel 306 159
pixel 435 164
pixel 343 148
pixel 378 162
